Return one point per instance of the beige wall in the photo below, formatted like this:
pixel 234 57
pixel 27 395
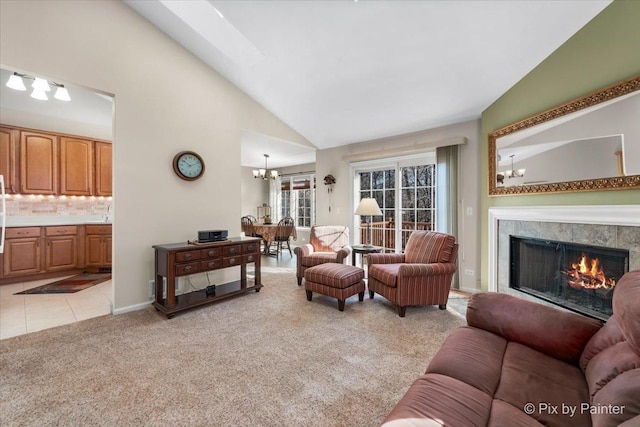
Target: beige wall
pixel 106 46
pixel 330 162
pixel 254 192
pixel 603 52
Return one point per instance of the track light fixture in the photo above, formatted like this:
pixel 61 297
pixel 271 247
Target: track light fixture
pixel 40 87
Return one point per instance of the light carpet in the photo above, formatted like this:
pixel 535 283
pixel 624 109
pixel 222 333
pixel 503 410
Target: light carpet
pixel 263 359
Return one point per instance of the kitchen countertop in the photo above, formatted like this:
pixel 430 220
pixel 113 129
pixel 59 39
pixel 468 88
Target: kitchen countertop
pixel 45 220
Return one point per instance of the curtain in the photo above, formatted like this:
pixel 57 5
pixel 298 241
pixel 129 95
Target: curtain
pixel 275 187
pixel 447 192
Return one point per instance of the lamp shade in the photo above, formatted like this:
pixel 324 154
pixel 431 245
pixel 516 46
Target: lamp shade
pixel 368 206
pixel 62 94
pixel 15 82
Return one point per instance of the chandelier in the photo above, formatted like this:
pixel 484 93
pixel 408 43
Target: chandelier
pixel 40 87
pixel 514 173
pixel 265 173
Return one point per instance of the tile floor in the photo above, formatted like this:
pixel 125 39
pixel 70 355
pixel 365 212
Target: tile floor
pixel 21 314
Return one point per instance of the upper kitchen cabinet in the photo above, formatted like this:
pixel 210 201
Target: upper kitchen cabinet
pixel 8 158
pixel 76 166
pixel 38 163
pixel 103 154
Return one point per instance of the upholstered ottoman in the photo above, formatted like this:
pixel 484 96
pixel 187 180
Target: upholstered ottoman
pixel 334 280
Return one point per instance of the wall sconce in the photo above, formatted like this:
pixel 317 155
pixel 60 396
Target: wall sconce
pixel 265 173
pixel 40 87
pixel 329 180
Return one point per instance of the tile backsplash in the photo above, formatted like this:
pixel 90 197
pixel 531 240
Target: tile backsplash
pixel 28 205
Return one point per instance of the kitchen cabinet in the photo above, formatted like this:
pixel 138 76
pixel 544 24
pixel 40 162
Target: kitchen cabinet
pixel 22 251
pixel 103 168
pixel 38 163
pixel 98 246
pixel 61 248
pixel 76 166
pixel 8 158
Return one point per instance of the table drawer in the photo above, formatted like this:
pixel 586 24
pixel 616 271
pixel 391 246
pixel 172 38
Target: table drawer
pixel 62 230
pixel 190 268
pixel 251 247
pixel 231 261
pixel 232 250
pixel 211 253
pixel 250 257
pixel 187 256
pixel 212 264
pixel 16 233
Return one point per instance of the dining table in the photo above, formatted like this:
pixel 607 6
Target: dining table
pixel 268 233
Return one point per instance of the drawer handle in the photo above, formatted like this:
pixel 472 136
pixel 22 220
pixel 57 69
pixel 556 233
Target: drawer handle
pixel 212 264
pixel 232 260
pixel 188 268
pixel 233 250
pixel 212 253
pixel 250 258
pixel 61 231
pixel 187 256
pixel 23 232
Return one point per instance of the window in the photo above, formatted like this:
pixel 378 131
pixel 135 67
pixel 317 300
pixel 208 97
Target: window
pixel 298 199
pixel 405 190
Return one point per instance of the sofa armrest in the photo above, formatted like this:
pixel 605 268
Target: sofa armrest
pixel 303 250
pixel 436 269
pixel 559 334
pixel 383 258
pixel 343 253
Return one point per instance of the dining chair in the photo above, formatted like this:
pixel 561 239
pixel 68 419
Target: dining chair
pixel 284 231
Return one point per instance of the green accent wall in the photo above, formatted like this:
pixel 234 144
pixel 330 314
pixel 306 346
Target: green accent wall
pixel 603 52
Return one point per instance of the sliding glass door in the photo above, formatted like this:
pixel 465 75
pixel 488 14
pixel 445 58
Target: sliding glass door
pixel 405 190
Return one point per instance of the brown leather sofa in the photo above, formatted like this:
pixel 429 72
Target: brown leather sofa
pixel 519 363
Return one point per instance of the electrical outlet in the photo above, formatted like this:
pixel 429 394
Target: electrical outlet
pixel 469 211
pixel 469 272
pixel 152 288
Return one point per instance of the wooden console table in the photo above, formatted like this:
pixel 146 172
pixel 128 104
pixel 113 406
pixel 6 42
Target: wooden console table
pixel 181 259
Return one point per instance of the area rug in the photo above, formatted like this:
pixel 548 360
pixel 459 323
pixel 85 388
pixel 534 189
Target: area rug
pixel 70 284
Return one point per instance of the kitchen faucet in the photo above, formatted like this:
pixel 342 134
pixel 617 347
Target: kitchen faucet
pixel 106 215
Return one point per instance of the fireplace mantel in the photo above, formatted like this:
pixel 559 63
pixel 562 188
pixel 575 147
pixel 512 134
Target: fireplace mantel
pixel 624 215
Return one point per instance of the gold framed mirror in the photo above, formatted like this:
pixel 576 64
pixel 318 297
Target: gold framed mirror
pixel 589 144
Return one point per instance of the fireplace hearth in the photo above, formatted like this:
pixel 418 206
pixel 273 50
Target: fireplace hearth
pixel 578 277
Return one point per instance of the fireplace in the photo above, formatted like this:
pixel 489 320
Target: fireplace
pixel 578 277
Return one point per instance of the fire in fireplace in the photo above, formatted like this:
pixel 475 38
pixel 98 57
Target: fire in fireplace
pixel 578 277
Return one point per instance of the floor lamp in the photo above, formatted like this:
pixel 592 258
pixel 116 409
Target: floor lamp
pixel 368 207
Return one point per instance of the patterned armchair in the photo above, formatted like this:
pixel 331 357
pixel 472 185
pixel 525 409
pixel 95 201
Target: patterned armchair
pixel 327 243
pixel 420 276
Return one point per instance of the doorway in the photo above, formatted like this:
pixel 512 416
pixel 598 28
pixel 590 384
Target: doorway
pixel 88 115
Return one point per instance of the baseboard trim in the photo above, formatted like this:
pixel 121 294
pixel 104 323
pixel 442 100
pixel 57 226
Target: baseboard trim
pixel 131 308
pixel 469 290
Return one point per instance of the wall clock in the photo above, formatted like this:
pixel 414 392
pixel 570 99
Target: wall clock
pixel 188 165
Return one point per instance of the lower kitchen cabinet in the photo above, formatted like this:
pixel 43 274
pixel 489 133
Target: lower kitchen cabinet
pixel 22 252
pixel 98 246
pixel 61 248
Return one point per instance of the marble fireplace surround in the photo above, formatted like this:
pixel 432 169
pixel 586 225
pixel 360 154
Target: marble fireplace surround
pixel 615 226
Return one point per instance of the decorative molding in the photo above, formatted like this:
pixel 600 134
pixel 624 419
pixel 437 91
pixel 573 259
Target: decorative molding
pixel 626 215
pixel 616 183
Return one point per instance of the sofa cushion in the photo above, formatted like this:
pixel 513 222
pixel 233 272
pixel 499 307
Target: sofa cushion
pixel 626 304
pixel 442 400
pixel 557 333
pixel 425 247
pixel 617 404
pixel 529 376
pixel 609 335
pixel 472 356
